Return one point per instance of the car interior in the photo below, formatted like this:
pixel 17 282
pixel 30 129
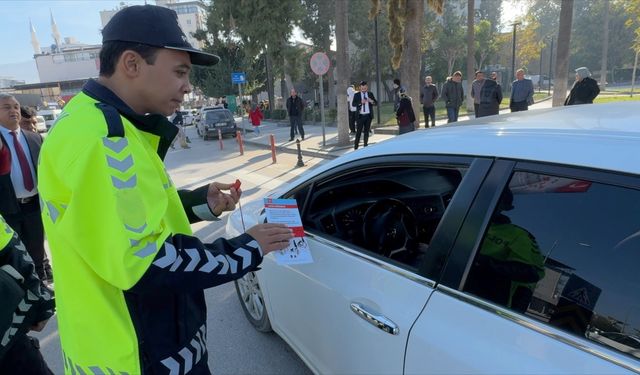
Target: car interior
pixel 390 211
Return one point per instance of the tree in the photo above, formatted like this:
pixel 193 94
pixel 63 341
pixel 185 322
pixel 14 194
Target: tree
pixel 486 43
pixel 529 42
pixel 450 38
pixel 317 24
pixel 562 53
pixel 605 47
pixel 470 50
pixel 342 65
pixel 633 22
pixel 491 11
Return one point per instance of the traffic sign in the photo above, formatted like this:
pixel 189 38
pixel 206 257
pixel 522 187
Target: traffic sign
pixel 238 77
pixel 320 63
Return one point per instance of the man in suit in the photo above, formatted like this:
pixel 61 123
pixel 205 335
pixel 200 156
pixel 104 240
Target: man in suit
pixel 364 102
pixel 19 203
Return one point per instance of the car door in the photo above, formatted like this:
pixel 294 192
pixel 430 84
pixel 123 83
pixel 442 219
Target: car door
pixel 543 273
pixel 350 311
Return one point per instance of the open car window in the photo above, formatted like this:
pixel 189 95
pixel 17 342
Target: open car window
pixel 391 212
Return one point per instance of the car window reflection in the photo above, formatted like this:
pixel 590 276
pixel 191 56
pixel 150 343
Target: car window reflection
pixel 565 252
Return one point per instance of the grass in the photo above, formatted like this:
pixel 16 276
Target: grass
pixel 616 98
pixel 388 117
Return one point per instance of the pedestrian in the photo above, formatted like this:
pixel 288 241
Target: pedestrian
pixel 521 93
pixel 28 119
pixel 351 91
pixel 396 93
pixel 476 88
pixel 26 306
pixel 295 110
pixel 584 89
pixel 363 101
pixel 176 120
pixel 129 270
pixel 453 96
pixel 405 115
pixel 20 204
pixel 490 98
pixel 428 97
pixel 256 116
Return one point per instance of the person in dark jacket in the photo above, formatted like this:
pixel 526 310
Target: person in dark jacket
pixel 584 89
pixel 364 101
pixel 428 97
pixel 26 306
pixel 453 95
pixel 295 109
pixel 405 115
pixel 490 98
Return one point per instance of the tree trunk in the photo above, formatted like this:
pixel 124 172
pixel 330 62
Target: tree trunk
pixel 342 70
pixel 412 53
pixel 562 53
pixel 605 47
pixel 269 72
pixel 471 51
pixel 331 87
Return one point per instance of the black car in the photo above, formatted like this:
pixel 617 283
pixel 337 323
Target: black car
pixel 216 119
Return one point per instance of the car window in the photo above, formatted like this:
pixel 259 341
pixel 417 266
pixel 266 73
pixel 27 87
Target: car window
pixel 217 116
pixel 391 212
pixel 565 252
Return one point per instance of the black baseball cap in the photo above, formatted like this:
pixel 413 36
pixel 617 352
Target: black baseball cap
pixel 153 26
pixel 362 83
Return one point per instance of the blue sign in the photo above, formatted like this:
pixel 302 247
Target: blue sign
pixel 238 77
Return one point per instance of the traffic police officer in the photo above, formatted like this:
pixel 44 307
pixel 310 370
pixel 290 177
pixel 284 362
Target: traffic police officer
pixel 129 273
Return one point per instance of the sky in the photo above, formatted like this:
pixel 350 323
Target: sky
pixel 75 18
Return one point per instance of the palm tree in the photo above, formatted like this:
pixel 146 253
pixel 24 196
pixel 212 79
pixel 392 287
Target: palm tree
pixel 342 67
pixel 562 53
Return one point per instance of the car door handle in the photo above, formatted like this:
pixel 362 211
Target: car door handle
pixel 377 320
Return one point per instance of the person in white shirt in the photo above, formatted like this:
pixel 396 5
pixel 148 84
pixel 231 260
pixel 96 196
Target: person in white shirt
pixel 351 91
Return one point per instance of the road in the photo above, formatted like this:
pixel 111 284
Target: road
pixel 234 346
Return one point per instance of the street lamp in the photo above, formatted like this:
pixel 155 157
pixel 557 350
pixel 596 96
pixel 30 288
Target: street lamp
pixel 513 50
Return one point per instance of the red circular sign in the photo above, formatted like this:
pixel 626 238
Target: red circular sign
pixel 320 63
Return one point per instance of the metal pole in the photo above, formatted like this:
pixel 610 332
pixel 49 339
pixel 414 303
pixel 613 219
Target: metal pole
pixel 633 79
pixel 550 65
pixel 240 144
pixel 272 140
pixel 375 26
pixel 324 142
pixel 244 131
pixel 513 54
pixel 540 72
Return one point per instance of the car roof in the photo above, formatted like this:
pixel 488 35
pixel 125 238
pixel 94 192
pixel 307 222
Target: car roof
pixel 602 136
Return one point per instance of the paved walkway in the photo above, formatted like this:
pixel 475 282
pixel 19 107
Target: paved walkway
pixel 312 145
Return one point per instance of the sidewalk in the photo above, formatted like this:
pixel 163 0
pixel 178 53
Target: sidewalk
pixel 312 144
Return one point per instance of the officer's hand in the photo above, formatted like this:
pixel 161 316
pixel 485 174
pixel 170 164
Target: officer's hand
pixel 39 326
pixel 218 201
pixel 271 237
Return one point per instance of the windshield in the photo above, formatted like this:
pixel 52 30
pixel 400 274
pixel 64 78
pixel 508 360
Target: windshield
pixel 213 116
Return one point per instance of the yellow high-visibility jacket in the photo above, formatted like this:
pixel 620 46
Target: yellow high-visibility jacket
pixel 129 274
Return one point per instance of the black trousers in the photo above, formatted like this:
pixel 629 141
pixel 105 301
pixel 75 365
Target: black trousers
pixel 519 106
pixel 476 106
pixel 24 358
pixel 352 121
pixel 296 121
pixel 28 225
pixel 363 125
pixel 429 113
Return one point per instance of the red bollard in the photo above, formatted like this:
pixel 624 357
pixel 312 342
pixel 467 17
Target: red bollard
pixel 239 137
pixel 220 139
pixel 272 138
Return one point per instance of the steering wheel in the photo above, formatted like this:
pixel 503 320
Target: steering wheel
pixel 388 225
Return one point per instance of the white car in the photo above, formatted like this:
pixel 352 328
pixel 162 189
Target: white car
pixel 41 125
pixel 488 246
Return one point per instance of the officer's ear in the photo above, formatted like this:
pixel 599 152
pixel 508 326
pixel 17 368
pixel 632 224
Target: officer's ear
pixel 130 63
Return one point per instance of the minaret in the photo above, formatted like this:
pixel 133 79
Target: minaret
pixel 54 30
pixel 34 39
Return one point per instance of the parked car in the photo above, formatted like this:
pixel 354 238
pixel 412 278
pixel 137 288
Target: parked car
pixel 489 246
pixel 214 119
pixel 41 125
pixel 50 116
pixel 187 117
